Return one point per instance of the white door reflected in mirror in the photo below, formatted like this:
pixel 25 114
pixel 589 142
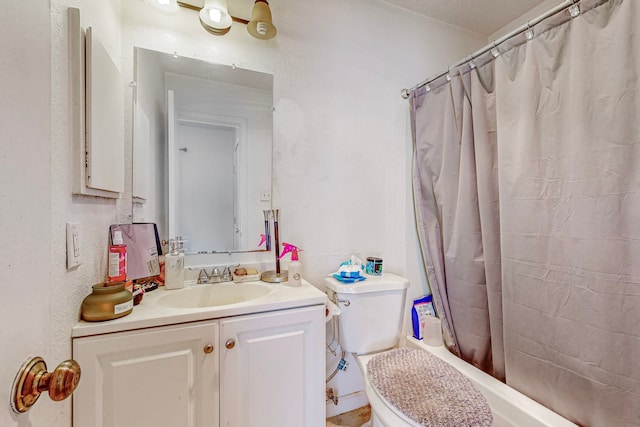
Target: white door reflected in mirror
pixel 202 151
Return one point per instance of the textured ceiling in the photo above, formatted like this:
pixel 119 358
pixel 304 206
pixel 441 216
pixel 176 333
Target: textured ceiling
pixel 482 16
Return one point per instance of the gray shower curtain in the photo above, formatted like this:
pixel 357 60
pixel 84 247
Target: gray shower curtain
pixel 527 194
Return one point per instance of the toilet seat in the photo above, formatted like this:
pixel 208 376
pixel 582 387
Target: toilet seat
pixel 382 412
pixel 422 390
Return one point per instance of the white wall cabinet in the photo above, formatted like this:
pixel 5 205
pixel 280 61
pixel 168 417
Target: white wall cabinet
pixel 97 114
pixel 257 370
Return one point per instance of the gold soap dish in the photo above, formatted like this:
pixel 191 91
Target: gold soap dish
pixel 242 274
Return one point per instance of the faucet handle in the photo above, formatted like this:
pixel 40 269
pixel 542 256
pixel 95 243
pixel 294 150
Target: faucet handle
pixel 203 277
pixel 227 276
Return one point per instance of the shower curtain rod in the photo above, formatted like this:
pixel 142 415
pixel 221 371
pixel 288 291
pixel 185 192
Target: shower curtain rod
pixel 405 93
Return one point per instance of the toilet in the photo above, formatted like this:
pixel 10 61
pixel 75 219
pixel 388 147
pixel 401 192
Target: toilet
pixel 369 326
pixel 371 323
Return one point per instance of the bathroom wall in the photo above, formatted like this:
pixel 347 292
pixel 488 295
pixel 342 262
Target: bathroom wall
pixel 341 144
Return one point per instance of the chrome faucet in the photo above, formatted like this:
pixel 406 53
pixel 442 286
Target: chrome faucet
pixel 203 277
pixel 214 277
pixel 227 274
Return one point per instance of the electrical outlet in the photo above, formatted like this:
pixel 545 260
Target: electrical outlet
pixel 73 245
pixel 265 196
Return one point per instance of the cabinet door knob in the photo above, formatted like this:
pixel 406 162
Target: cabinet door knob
pixel 230 343
pixel 208 348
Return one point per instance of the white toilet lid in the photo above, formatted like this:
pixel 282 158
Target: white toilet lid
pixel 428 390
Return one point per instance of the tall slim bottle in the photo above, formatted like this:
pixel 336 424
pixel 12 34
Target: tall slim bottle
pixel 174 267
pixel 117 258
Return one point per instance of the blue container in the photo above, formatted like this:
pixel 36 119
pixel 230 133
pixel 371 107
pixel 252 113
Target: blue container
pixel 374 266
pixel 422 306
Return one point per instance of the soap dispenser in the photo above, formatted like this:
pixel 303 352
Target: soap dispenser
pixel 174 267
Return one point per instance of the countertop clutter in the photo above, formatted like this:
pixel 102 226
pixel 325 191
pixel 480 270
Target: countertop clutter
pixel 205 301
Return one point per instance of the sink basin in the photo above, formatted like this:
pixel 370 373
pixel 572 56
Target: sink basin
pixel 211 295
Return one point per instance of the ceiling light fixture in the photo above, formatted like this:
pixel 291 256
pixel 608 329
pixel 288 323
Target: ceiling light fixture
pixel 215 18
pixel 261 25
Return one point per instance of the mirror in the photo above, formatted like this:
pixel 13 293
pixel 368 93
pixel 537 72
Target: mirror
pixel 202 147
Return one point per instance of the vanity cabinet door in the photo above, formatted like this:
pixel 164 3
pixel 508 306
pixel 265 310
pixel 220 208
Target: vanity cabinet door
pixel 157 377
pixel 272 369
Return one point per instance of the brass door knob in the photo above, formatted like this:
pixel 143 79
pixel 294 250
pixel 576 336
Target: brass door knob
pixel 230 343
pixel 33 379
pixel 208 348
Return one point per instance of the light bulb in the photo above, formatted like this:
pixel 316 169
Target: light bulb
pixel 215 15
pixel 261 27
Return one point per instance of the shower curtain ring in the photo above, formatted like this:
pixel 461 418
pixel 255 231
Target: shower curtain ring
pixel 574 9
pixel 528 34
pixel 494 51
pixel 470 62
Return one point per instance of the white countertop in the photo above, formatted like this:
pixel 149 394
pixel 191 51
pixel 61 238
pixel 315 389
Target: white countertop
pixel 149 314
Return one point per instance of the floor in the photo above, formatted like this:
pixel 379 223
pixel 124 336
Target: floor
pixel 354 418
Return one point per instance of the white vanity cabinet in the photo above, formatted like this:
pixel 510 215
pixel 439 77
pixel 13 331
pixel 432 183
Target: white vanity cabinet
pixel 255 370
pixel 272 369
pixel 159 377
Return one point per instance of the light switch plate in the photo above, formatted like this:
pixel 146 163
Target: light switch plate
pixel 73 245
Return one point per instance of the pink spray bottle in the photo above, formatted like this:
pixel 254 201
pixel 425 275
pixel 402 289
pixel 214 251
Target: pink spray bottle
pixel 295 266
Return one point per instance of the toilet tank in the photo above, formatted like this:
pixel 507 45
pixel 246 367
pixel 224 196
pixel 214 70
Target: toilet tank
pixel 372 312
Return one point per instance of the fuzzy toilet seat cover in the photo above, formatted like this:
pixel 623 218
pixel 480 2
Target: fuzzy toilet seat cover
pixel 427 390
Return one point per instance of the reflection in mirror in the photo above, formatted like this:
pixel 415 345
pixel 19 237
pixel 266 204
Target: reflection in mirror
pixel 202 151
